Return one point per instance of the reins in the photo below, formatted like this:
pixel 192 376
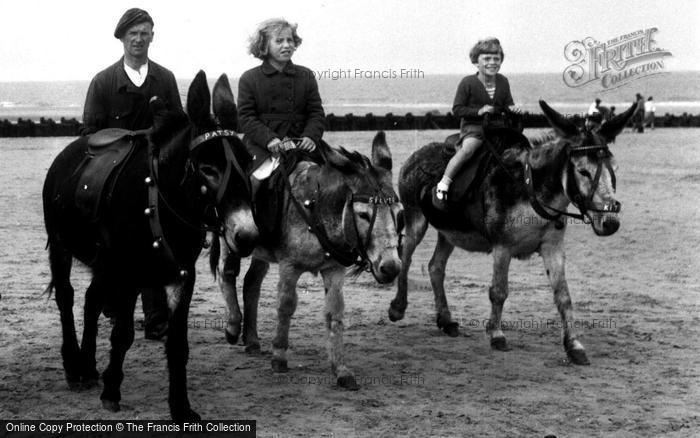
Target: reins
pixel 584 204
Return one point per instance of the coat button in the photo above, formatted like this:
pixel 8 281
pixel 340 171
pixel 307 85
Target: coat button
pixel 116 117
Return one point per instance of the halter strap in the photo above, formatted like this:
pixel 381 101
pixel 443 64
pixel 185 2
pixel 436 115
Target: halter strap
pixel 155 197
pixel 231 160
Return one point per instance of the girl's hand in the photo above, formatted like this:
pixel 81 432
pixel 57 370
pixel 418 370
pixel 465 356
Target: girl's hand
pixel 307 144
pixel 486 109
pixel 274 146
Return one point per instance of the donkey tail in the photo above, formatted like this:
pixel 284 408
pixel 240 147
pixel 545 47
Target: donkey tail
pixel 49 290
pixel 214 254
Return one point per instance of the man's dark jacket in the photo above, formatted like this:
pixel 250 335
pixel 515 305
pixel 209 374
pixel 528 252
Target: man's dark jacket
pixel 113 101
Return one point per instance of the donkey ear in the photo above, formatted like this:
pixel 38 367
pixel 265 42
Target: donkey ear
pixel 562 126
pixel 224 104
pixel 381 155
pixel 198 99
pixel 212 175
pixel 614 126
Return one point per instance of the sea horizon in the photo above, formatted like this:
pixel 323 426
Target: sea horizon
pixel 674 92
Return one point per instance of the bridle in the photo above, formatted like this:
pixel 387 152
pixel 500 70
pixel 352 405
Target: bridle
pixel 348 254
pixel 585 204
pixel 156 197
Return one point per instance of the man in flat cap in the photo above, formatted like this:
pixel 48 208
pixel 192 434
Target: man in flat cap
pixel 118 97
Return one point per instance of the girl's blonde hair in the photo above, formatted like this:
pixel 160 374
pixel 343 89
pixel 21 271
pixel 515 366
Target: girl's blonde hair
pixel 487 45
pixel 259 41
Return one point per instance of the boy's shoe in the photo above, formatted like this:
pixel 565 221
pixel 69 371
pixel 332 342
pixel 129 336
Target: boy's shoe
pixel 440 199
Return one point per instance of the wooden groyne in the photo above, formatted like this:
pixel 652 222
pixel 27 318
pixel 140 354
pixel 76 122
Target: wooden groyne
pixel 369 122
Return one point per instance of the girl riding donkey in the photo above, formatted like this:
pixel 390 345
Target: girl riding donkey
pixel 279 107
pixel 478 94
pixel 329 214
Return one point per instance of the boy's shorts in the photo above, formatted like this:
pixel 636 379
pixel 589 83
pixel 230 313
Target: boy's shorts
pixel 470 131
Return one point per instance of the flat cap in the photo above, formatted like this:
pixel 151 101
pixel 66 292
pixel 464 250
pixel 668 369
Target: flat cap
pixel 131 18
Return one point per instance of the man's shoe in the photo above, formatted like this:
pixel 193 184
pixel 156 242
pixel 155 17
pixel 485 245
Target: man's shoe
pixel 440 199
pixel 157 332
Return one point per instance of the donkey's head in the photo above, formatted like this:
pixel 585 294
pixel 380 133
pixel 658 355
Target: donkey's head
pixel 217 159
pixel 372 216
pixel 588 178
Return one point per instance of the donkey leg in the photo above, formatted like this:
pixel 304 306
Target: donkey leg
pixel 554 259
pixel 226 272
pixel 251 295
pixel 121 339
pixel 177 349
pixel 93 306
pixel 416 226
pixel 333 282
pixel 286 305
pixel 436 268
pixel 498 293
pixel 60 261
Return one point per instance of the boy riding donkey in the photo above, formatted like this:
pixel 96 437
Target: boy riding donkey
pixel 487 91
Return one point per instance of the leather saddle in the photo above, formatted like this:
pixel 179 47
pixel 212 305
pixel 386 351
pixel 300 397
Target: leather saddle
pixel 464 189
pixel 107 151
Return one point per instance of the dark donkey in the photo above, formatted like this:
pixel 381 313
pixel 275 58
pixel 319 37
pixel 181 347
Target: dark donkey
pixel 518 209
pixel 174 182
pixel 333 215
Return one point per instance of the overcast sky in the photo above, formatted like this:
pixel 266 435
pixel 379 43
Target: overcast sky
pixel 72 39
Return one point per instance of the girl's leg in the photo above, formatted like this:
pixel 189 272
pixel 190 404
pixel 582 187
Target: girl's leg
pixel 469 146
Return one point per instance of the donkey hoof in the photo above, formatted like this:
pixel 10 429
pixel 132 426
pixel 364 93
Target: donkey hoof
pixel 73 382
pixel 451 329
pixel 75 385
pixel 500 344
pixel 395 315
pixel 111 406
pixel 231 339
pixel 253 349
pixel 578 357
pixel 348 382
pixel 279 366
pixel 186 415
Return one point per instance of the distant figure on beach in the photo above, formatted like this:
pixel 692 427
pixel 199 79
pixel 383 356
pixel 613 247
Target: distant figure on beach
pixel 487 91
pixel 593 109
pixel 638 118
pixel 278 101
pixel 118 97
pixel 649 110
pixel 596 115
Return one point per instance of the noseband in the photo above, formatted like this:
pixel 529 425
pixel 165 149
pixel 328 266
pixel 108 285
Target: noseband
pixel 155 196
